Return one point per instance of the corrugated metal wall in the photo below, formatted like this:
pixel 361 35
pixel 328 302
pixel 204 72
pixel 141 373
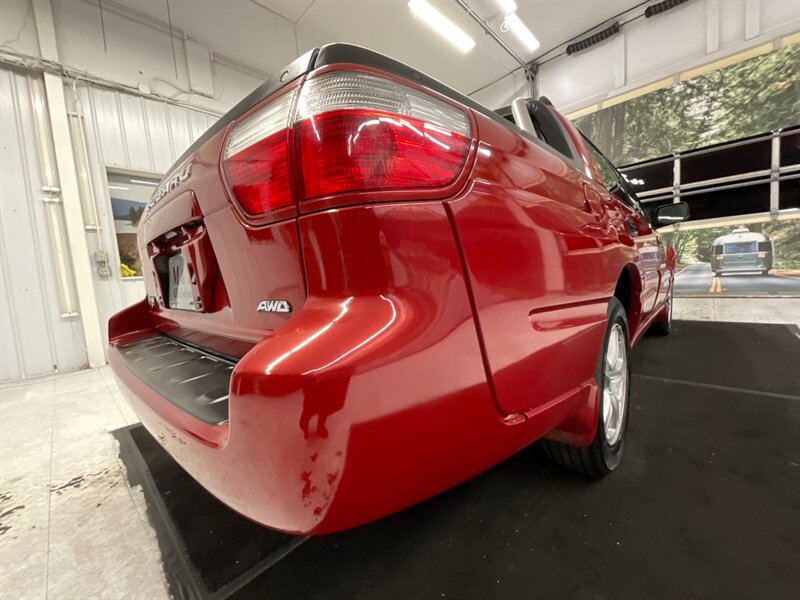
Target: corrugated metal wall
pixel 132 134
pixel 40 331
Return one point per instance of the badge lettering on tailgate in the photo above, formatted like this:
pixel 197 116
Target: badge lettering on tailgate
pixel 274 306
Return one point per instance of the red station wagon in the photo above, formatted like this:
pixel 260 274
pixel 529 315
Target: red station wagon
pixel 364 288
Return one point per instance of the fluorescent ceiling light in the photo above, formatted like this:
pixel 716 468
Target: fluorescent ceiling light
pixel 118 187
pixel 441 25
pixel 507 6
pixel 140 182
pixel 518 28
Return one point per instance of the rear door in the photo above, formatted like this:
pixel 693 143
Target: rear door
pixel 632 222
pixel 538 251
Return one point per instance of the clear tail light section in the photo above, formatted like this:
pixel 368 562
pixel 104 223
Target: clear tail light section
pixel 256 158
pixel 358 132
pixel 353 132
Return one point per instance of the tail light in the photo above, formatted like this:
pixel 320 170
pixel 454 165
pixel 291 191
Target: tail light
pixel 353 132
pixel 256 158
pixel 362 132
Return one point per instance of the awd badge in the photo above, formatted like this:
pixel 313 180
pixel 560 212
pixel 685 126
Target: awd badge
pixel 274 306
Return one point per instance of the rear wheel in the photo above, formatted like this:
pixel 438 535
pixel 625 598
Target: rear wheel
pixel 613 376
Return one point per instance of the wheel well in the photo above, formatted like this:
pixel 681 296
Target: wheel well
pixel 627 292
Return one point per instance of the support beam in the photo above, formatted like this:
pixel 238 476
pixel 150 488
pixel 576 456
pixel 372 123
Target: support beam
pixel 68 188
pixel 620 61
pixel 775 173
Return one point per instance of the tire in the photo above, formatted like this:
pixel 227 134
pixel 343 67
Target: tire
pixel 663 323
pixel 603 455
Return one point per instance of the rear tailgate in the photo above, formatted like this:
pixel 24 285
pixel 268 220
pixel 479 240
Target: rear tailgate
pixel 207 271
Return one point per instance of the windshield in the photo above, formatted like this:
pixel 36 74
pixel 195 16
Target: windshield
pixel 739 247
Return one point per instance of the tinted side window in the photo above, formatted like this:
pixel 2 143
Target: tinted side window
pixel 612 179
pixel 549 129
pixel 607 172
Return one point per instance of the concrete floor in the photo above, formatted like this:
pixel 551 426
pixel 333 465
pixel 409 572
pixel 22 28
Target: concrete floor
pixel 70 525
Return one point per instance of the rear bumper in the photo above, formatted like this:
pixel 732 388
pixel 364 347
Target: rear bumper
pixel 195 381
pixel 328 451
pixel 742 269
pixel 721 266
pixel 360 405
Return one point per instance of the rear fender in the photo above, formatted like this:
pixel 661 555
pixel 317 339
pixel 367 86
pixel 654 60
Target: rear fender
pixel 374 394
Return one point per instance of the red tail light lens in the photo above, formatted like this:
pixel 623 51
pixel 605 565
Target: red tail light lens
pixel 255 160
pixel 259 175
pixel 360 132
pixel 353 132
pixel 366 150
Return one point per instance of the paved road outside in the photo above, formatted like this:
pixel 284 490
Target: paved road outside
pixel 698 280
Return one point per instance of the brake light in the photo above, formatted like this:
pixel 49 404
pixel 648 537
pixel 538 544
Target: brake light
pixel 359 132
pixel 353 131
pixel 255 160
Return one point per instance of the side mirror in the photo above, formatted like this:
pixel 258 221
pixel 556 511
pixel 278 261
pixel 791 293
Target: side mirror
pixel 672 213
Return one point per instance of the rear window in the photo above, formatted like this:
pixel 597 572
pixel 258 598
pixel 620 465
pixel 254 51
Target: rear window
pixel 739 247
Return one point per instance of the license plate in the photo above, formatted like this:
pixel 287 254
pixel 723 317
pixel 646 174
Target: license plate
pixel 181 295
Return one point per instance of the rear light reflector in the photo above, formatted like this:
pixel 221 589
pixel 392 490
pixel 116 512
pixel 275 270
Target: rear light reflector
pixel 360 132
pixel 255 160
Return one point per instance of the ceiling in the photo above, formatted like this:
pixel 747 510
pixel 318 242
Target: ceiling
pixel 267 34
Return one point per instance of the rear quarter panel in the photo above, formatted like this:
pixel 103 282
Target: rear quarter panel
pixel 542 267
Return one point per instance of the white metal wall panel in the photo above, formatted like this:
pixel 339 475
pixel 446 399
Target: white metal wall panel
pixel 197 124
pixel 731 23
pixel 583 75
pixel 160 139
pixel 34 336
pixel 774 14
pixel 648 50
pixel 504 92
pixel 136 134
pixel 179 128
pixel 106 114
pixel 658 44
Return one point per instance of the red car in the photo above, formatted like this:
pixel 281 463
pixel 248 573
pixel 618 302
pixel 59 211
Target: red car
pixel 364 288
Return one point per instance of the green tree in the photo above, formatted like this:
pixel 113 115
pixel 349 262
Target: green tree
pixel 750 97
pixel 135 214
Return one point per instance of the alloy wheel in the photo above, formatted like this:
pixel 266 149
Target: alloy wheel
pixel 615 384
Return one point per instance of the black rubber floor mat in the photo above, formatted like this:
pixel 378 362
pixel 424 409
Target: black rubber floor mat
pixel 208 549
pixel 706 503
pixel 744 355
